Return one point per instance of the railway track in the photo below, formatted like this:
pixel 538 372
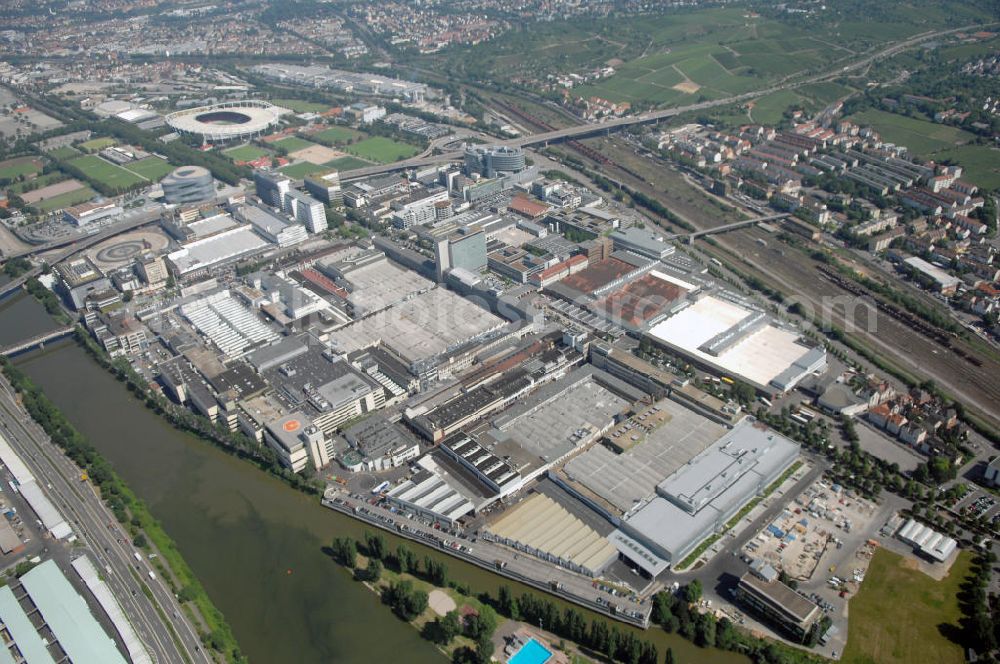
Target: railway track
pixel 945 339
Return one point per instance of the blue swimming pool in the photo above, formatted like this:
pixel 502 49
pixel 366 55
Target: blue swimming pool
pixel 531 652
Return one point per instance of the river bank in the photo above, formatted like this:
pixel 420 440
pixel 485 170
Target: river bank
pixel 255 543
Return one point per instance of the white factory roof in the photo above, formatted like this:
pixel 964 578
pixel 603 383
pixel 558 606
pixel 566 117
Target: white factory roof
pixel 426 325
pixel 430 491
pixel 701 495
pixel 230 325
pixel 90 576
pixel 47 512
pixel 760 356
pixel 929 542
pixel 208 226
pixel 943 279
pixel 137 115
pixel 211 251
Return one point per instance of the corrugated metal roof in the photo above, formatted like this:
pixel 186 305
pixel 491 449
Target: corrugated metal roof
pixel 28 641
pixel 68 616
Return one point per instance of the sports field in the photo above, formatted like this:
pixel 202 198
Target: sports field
pixel 81 195
pixel 104 172
pixel 64 152
pixel 383 150
pixel 302 169
pixel 18 166
pixel 348 163
pixel 900 615
pixel 337 135
pixel 246 152
pixel 301 106
pixel 922 137
pixel 36 182
pixel 151 168
pixel 97 144
pixel 293 144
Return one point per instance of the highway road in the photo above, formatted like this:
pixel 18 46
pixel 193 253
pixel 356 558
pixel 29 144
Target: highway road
pixel 76 245
pixel 590 129
pixel 79 243
pixel 109 545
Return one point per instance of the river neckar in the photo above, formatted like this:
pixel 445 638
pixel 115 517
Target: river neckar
pixel 257 545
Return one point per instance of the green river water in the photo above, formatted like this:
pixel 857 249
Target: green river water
pixel 256 544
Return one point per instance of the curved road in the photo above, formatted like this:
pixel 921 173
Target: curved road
pixel 425 159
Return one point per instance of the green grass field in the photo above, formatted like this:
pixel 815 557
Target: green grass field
pixel 98 170
pixel 981 164
pixel 383 150
pixel 301 106
pixel 302 169
pixel 293 144
pixel 922 137
pixel 97 144
pixel 37 183
pixel 768 110
pixel 897 616
pixel 246 152
pixel 824 93
pixel 931 140
pixel 348 163
pixel 151 168
pixel 712 54
pixel 337 135
pixel 81 195
pixel 19 166
pixel 724 50
pixel 64 152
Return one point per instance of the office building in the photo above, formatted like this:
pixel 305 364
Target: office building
pixel 88 213
pixel 419 208
pixel 152 269
pixel 188 184
pixel 325 186
pixel 79 278
pixel 271 187
pixel 318 383
pixel 120 334
pixel 774 601
pixel 379 444
pixel 271 227
pixel 491 161
pixel 464 249
pixel 305 209
pixel 297 442
pixel 641 242
pixel 366 113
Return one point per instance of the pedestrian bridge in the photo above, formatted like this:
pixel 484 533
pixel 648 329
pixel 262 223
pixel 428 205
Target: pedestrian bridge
pixel 38 341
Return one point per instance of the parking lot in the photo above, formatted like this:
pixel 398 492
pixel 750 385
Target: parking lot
pixel 977 504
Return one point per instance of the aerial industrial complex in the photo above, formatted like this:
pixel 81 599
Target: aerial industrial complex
pixel 493 324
